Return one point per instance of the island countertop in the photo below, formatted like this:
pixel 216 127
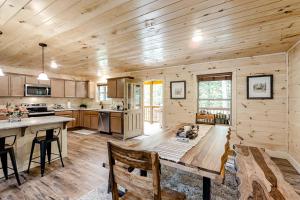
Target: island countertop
pixel 34 121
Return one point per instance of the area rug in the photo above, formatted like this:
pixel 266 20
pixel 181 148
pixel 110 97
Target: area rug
pixel 84 132
pixel 97 194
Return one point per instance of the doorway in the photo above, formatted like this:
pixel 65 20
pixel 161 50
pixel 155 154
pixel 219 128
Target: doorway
pixel 153 106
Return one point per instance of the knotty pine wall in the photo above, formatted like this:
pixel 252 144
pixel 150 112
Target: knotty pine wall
pixel 294 102
pixel 257 122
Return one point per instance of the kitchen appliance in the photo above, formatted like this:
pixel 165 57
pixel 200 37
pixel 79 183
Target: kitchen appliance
pixel 38 110
pixel 37 90
pixel 104 122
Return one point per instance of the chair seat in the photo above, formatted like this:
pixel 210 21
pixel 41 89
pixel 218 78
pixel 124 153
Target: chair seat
pixel 166 194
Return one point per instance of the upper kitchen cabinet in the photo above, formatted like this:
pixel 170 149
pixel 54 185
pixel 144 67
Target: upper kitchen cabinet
pixel 17 83
pixel 4 89
pixel 57 88
pixel 81 89
pixel 34 80
pixel 111 88
pixel 116 87
pixel 91 92
pixel 70 88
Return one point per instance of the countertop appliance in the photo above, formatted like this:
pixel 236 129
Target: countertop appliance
pixel 104 122
pixel 38 110
pixel 37 90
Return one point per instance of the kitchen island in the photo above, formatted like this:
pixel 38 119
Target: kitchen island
pixel 25 131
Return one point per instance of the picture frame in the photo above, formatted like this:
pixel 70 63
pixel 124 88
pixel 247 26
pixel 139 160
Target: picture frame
pixel 260 87
pixel 178 89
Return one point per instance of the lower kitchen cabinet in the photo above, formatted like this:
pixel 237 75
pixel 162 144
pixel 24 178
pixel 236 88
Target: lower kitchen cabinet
pixel 66 114
pixel 116 122
pixel 94 120
pixel 76 116
pixel 90 119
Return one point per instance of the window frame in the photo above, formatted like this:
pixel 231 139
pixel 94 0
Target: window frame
pixel 230 110
pixel 99 93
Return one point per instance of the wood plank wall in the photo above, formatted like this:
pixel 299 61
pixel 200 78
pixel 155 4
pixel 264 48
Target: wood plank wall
pixel 294 102
pixel 260 123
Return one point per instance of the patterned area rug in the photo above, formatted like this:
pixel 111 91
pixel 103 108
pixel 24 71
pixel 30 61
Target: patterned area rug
pixel 97 194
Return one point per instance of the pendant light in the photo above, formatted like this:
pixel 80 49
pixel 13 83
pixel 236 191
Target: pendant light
pixel 43 76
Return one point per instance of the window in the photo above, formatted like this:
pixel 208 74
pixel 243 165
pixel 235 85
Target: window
pixel 102 92
pixel 214 95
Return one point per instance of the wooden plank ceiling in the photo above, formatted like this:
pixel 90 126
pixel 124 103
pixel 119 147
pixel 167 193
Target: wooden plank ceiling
pixel 89 37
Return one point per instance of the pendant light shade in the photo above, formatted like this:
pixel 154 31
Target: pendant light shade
pixel 1 72
pixel 43 76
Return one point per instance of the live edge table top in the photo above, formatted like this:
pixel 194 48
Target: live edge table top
pixel 206 156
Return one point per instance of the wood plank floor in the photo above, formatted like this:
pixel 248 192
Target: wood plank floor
pixel 82 173
pixel 289 172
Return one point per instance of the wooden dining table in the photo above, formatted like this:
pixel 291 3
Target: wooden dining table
pixel 207 158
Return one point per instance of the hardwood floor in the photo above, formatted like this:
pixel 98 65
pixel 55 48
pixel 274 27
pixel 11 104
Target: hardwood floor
pixel 290 174
pixel 82 173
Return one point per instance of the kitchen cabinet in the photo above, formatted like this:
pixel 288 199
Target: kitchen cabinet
pixel 116 87
pixel 116 122
pixel 17 83
pixel 34 80
pixel 90 119
pixel 76 116
pixel 66 114
pixel 120 88
pixel 111 88
pixel 57 88
pixel 70 88
pixel 91 89
pixel 81 89
pixel 4 89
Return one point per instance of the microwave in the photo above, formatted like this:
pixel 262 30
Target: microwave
pixel 32 90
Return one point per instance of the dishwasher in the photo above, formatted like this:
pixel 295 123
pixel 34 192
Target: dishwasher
pixel 104 122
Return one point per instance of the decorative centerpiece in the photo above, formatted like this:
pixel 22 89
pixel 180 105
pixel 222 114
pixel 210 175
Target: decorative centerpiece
pixel 14 112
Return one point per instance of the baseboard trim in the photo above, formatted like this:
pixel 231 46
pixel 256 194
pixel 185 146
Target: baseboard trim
pixel 285 155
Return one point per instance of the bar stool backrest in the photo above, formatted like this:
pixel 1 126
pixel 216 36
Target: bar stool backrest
pixel 9 140
pixel 42 132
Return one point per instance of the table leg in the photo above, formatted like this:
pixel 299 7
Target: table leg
pixel 206 188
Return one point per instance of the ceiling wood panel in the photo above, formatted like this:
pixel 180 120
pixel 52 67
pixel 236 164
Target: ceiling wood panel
pixel 101 36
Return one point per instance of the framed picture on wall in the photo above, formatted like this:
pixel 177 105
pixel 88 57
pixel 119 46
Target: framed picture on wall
pixel 177 89
pixel 260 87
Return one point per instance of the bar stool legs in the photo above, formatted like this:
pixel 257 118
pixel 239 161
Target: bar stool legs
pixel 4 165
pixel 14 164
pixel 45 149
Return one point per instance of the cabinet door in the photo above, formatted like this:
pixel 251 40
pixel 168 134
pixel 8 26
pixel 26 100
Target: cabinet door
pixel 86 119
pixel 76 115
pixel 94 120
pixel 4 89
pixel 32 80
pixel 91 90
pixel 116 124
pixel 120 88
pixel 45 82
pixel 17 83
pixel 57 88
pixel 112 88
pixel 70 89
pixel 81 89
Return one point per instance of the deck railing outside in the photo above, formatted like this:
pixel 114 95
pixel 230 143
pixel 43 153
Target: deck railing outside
pixel 153 114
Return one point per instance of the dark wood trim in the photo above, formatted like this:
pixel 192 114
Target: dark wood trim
pixel 271 85
pixel 171 97
pixel 129 77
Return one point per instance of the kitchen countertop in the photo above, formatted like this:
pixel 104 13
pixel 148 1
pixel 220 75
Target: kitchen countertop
pixel 87 109
pixel 34 121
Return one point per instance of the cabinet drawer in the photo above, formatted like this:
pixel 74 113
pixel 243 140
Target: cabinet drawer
pixel 116 114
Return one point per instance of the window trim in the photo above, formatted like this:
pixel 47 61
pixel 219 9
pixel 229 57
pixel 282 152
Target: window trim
pixel 98 91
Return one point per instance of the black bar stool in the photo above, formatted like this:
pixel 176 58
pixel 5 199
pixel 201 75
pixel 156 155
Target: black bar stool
pixel 52 135
pixel 8 149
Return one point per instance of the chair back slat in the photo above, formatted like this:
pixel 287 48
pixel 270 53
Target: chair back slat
pixel 142 187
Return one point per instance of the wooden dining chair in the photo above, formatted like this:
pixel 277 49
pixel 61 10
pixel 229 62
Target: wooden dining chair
pixel 137 187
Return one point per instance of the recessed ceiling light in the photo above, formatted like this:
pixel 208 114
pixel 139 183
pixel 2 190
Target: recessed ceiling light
pixel 53 64
pixel 197 36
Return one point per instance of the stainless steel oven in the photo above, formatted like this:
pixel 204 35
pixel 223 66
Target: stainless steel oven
pixel 37 90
